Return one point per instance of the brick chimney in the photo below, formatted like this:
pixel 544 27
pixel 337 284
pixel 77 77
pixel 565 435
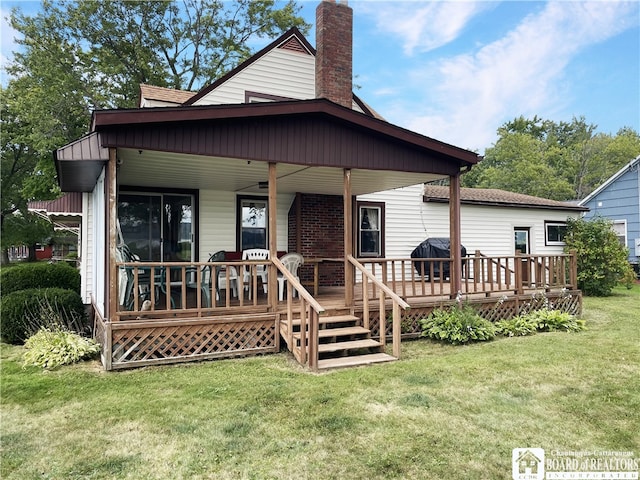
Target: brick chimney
pixel 334 32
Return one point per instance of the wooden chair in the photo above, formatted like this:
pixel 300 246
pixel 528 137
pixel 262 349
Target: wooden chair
pixel 292 262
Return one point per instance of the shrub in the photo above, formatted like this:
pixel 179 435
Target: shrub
pixel 457 325
pixel 26 311
pixel 50 349
pixel 628 277
pixel 517 326
pixel 39 275
pixel 602 260
pixel 552 320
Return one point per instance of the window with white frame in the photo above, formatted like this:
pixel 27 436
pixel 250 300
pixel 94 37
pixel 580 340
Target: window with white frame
pixel 620 228
pixel 555 233
pixel 252 222
pixel 370 229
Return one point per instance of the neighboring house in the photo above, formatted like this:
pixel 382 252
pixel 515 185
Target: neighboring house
pixel 618 199
pixel 494 222
pixel 270 156
pixel 65 213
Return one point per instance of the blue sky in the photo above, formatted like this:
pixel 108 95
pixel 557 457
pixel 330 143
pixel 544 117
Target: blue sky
pixel 456 71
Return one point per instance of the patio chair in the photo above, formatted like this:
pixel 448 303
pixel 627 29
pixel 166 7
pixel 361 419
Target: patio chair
pixel 221 274
pixel 261 270
pixel 292 262
pixel 126 278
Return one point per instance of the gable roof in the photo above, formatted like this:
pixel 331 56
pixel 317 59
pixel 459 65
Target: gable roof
pixel 163 94
pixel 496 197
pixel 610 180
pixel 290 40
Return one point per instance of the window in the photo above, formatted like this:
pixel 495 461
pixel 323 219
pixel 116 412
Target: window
pixel 620 228
pixel 521 240
pixel 554 233
pixel 370 229
pixel 158 226
pixel 252 222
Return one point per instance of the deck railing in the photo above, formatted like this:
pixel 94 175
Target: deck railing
pixel 384 293
pixel 309 313
pixel 429 277
pixel 195 288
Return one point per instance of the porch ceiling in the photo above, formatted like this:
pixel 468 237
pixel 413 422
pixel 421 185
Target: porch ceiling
pixel 145 168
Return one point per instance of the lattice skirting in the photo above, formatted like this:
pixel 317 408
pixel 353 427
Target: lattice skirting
pixel 135 344
pixel 492 309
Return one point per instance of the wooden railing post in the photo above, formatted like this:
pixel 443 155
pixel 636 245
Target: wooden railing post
pixel 476 267
pixel 397 330
pixel 573 269
pixel 518 271
pixel 313 339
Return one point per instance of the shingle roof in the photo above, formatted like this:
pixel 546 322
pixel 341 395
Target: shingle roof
pixel 178 97
pixel 496 197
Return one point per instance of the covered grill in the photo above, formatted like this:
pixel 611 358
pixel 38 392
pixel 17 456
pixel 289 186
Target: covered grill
pixel 435 248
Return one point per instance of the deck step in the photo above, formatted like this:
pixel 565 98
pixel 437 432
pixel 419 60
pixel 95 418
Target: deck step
pixel 325 320
pixel 354 361
pixel 351 345
pixel 338 332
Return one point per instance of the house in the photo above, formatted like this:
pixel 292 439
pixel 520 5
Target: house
pixel 493 222
pixel 270 156
pixel 65 213
pixel 618 199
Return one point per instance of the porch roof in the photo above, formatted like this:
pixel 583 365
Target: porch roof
pixel 309 133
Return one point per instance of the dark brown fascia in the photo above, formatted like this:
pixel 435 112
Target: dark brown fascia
pixel 319 106
pixel 284 37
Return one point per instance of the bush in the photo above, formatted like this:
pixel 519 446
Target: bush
pixel 602 260
pixel 629 277
pixel 50 349
pixel 517 326
pixel 457 325
pixel 553 320
pixel 26 311
pixel 39 275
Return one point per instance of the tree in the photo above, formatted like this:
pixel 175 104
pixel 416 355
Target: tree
pixel 77 57
pixel 112 47
pixel 560 161
pixel 602 259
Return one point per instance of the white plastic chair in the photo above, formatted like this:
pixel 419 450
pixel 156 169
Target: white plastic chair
pixel 261 270
pixel 292 262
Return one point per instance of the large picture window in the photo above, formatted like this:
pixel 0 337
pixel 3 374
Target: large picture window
pixel 554 233
pixel 370 229
pixel 252 222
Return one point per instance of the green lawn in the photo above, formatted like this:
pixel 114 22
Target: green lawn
pixel 442 412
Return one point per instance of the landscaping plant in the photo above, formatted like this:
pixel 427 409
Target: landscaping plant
pixel 53 348
pixel 457 324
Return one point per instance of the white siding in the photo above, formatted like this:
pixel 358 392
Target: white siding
pixel 279 72
pixel 218 221
pixel 409 221
pixel 97 245
pixel 86 237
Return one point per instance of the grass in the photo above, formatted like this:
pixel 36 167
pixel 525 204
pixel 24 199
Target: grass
pixel 440 412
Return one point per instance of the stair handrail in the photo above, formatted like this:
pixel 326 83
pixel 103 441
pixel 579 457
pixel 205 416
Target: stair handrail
pixel 397 300
pixel 315 311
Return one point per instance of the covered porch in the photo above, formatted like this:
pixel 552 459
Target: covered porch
pixel 296 166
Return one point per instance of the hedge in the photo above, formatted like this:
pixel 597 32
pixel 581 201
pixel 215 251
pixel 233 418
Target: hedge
pixel 39 275
pixel 25 311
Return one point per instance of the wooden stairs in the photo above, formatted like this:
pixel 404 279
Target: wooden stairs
pixel 342 341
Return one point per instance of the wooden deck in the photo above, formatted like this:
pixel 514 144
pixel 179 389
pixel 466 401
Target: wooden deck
pixel 320 330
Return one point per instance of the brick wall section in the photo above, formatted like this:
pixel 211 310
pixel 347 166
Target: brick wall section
pixel 334 40
pixel 321 235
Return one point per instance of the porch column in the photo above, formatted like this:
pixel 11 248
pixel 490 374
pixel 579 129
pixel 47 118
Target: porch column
pixel 349 277
pixel 454 235
pixel 273 235
pixel 112 237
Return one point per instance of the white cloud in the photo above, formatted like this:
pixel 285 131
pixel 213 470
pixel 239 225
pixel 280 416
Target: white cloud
pixel 470 95
pixel 7 38
pixel 423 26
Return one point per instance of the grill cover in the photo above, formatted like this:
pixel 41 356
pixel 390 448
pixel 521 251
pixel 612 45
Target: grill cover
pixel 435 248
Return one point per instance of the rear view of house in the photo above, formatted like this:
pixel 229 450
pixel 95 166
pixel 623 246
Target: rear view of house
pixel 193 199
